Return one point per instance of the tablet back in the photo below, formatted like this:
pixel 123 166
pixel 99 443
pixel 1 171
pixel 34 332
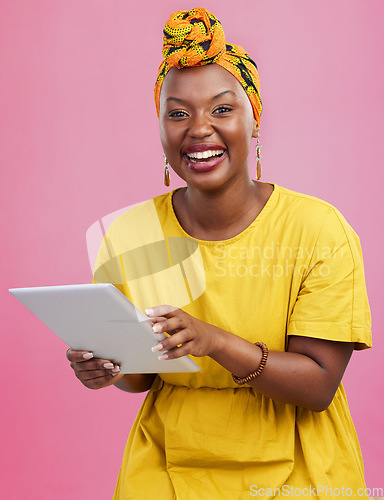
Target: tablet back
pixel 99 318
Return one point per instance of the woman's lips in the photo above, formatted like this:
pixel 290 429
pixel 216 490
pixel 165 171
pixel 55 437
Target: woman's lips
pixel 206 164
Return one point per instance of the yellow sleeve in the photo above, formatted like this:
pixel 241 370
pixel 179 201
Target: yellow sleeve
pixel 332 302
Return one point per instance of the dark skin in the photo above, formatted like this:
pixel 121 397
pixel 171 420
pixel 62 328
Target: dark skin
pixel 207 104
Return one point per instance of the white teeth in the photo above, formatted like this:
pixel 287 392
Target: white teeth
pixel 205 154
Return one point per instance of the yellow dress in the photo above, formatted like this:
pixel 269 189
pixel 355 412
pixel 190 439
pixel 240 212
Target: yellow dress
pixel 295 270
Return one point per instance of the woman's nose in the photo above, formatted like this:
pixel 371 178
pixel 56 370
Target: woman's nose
pixel 200 126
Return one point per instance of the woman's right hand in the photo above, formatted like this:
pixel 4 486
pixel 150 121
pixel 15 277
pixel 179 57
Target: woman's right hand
pixel 92 372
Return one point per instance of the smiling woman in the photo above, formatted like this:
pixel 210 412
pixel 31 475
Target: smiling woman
pixel 272 330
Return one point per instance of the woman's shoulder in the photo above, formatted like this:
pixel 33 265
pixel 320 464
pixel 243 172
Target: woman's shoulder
pixel 306 209
pixel 294 199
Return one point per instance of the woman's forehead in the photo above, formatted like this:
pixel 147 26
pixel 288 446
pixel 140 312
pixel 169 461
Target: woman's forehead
pixel 209 80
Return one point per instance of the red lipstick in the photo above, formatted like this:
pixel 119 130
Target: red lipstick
pixel 204 164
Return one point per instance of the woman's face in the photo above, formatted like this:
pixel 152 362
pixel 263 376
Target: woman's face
pixel 206 125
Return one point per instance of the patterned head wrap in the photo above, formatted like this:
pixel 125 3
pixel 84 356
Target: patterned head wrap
pixel 195 38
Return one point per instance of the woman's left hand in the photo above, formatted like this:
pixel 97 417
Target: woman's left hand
pixel 188 335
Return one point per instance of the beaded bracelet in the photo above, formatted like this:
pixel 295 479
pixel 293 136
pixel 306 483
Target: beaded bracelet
pixel 245 380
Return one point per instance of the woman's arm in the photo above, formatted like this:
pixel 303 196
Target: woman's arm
pixel 307 375
pixel 136 382
pixel 97 373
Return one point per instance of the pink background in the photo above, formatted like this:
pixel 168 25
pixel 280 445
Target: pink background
pixel 79 140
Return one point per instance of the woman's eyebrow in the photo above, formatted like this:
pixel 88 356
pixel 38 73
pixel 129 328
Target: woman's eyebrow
pixel 223 93
pixel 177 99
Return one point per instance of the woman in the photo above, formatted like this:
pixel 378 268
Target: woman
pixel 276 302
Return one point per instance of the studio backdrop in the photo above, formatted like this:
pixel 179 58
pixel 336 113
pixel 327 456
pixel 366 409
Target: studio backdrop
pixel 79 141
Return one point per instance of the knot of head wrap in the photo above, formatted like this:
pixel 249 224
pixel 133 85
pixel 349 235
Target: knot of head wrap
pixel 195 38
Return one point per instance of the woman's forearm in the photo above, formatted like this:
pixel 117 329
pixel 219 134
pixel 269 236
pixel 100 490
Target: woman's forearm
pixel 290 377
pixel 136 382
pixel 307 375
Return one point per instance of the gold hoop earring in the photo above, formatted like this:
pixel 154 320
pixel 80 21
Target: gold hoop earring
pixel 258 157
pixel 167 180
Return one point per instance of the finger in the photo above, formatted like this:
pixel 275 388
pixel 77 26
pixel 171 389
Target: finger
pixel 157 319
pixel 169 325
pixel 179 338
pixel 78 356
pixel 177 352
pixel 98 383
pixel 162 310
pixel 94 364
pixel 86 375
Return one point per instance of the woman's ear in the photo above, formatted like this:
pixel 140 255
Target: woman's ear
pixel 255 131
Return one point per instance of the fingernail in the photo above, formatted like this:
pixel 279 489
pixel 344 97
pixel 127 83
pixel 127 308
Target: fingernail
pixel 116 369
pixel 163 356
pixel 156 328
pixel 149 312
pixel 108 365
pixel 157 347
pixel 88 355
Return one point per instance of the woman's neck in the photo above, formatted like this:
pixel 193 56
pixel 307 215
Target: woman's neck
pixel 221 214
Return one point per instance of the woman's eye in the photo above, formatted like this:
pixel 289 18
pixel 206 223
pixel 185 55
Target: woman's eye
pixel 177 114
pixel 222 109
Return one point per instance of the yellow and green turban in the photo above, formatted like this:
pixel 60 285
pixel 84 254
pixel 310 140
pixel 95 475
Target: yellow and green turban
pixel 195 38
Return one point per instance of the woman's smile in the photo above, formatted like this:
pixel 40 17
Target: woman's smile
pixel 204 157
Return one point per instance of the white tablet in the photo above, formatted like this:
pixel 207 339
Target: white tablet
pixel 99 318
